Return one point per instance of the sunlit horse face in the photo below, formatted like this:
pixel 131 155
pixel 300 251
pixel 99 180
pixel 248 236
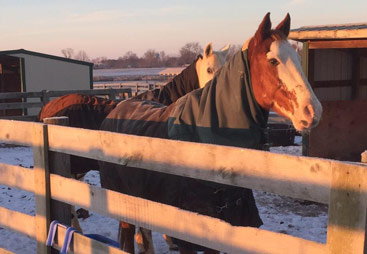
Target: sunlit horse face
pixel 277 78
pixel 210 63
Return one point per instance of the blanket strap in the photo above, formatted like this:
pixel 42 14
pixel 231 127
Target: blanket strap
pixel 52 233
pixel 68 236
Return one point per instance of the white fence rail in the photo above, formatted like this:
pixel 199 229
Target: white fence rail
pixel 342 185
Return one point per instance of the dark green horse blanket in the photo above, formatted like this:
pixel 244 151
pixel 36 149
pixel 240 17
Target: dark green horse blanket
pixel 224 112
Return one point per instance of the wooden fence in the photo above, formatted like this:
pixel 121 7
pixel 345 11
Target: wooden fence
pixel 136 87
pixel 342 185
pixel 44 96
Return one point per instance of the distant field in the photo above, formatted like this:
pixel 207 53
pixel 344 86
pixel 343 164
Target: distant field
pixel 127 72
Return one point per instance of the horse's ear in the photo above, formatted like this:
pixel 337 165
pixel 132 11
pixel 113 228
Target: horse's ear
pixel 226 47
pixel 208 50
pixel 285 25
pixel 264 29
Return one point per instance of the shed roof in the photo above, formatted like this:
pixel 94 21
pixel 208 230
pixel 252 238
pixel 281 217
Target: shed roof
pixel 27 52
pixel 330 32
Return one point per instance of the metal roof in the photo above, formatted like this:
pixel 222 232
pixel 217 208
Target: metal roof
pixel 330 32
pixel 27 52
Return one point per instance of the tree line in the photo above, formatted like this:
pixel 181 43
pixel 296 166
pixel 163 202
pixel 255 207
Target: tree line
pixel 151 58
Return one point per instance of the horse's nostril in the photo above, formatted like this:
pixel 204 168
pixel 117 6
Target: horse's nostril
pixel 304 123
pixel 308 111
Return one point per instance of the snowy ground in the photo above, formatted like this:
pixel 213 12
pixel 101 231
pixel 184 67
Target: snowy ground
pixel 280 214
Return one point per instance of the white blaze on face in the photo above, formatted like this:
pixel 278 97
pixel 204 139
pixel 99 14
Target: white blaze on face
pixel 307 109
pixel 208 66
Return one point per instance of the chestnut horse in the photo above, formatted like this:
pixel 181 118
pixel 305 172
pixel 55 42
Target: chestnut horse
pixel 232 109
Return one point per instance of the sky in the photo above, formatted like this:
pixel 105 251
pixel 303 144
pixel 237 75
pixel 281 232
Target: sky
pixel 108 28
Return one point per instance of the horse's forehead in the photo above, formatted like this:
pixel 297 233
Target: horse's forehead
pixel 214 60
pixel 218 58
pixel 282 50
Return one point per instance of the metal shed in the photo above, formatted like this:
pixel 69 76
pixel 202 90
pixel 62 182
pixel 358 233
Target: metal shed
pixel 27 71
pixel 334 58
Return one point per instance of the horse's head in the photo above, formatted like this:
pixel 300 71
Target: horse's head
pixel 210 63
pixel 277 78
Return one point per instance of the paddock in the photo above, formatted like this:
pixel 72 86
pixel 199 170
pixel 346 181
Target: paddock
pixel 342 185
pixel 40 98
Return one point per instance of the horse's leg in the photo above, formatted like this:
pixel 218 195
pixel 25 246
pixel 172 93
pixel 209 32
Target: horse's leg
pixel 144 241
pixel 74 220
pixel 126 237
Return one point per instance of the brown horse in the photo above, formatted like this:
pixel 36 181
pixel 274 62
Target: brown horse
pixel 232 109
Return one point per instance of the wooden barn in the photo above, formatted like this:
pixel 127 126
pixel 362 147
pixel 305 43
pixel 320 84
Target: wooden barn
pixel 27 71
pixel 334 59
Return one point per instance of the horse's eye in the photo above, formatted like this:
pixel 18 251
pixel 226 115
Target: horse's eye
pixel 209 70
pixel 273 61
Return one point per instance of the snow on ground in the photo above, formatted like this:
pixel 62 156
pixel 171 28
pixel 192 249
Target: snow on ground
pixel 280 214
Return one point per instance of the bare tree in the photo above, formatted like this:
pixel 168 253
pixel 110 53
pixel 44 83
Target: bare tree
pixel 68 52
pixel 189 52
pixel 151 58
pixel 130 59
pixel 82 56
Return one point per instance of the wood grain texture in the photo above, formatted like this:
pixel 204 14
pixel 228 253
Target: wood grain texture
pixel 189 226
pixel 41 186
pixel 17 177
pixel 294 176
pixel 18 222
pixel 347 211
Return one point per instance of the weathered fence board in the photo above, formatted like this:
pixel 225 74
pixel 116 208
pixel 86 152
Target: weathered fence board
pixel 293 176
pixel 42 185
pixel 4 251
pixel 59 163
pixel 17 177
pixel 347 210
pixel 342 184
pixel 45 96
pixel 22 105
pixel 17 132
pixel 20 95
pixel 18 222
pixel 84 245
pixel 189 226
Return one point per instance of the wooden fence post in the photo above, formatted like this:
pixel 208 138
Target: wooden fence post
pixel 45 98
pixel 364 160
pixel 59 163
pixel 347 211
pixel 42 186
pixel 112 94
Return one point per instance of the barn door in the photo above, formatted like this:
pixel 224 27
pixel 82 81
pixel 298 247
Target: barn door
pixel 10 81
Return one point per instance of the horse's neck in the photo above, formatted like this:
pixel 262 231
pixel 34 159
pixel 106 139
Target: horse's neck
pixel 234 94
